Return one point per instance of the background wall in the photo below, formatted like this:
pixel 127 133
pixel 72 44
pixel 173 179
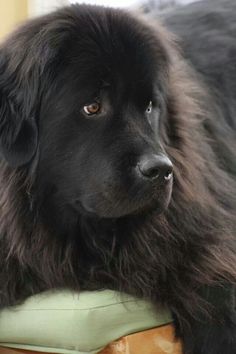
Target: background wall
pixel 38 7
pixel 11 13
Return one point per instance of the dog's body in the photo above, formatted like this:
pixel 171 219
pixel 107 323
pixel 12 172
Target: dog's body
pixel 92 101
pixel 209 27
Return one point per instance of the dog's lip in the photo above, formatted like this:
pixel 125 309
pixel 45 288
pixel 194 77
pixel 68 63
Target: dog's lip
pixel 158 201
pixel 155 205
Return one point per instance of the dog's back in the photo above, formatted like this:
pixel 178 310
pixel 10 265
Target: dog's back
pixel 207 32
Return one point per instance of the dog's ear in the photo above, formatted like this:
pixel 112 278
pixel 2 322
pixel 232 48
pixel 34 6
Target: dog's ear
pixel 26 58
pixel 18 100
pixel 18 132
pixel 29 61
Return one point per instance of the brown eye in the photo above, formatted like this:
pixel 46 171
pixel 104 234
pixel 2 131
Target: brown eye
pixel 92 108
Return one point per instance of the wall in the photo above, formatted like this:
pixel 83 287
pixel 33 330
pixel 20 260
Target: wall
pixel 12 12
pixel 38 7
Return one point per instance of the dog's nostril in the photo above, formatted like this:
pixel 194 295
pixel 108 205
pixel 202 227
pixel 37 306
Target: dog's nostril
pixel 168 175
pixel 156 166
pixel 148 170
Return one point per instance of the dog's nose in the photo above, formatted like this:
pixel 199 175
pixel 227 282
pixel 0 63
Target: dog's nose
pixel 155 166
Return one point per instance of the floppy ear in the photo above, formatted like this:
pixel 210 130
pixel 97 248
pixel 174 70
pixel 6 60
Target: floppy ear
pixel 18 133
pixel 25 58
pixel 29 60
pixel 18 129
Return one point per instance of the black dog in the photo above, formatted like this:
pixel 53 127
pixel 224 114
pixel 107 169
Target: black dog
pixel 118 162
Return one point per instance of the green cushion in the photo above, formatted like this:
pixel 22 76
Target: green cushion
pixel 63 322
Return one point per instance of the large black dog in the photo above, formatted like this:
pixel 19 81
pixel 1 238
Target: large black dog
pixel 118 162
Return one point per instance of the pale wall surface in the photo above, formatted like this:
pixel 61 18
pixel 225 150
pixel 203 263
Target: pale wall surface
pixel 12 12
pixel 39 7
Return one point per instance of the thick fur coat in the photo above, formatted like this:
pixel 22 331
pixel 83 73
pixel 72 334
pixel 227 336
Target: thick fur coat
pixel 75 211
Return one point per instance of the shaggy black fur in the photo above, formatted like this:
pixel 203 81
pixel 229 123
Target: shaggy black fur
pixel 75 211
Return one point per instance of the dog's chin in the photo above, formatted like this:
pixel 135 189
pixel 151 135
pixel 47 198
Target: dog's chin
pixel 144 207
pixel 154 208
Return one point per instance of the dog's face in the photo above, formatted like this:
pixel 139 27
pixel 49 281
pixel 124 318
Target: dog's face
pixel 99 119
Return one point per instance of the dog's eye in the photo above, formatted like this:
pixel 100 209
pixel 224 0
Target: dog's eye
pixel 149 108
pixel 92 108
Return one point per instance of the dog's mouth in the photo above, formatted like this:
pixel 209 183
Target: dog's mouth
pixel 104 206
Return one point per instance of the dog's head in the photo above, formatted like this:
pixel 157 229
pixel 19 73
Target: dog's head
pixel 83 96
